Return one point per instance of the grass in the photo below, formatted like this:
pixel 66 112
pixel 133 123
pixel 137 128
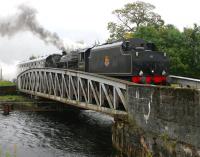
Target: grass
pixel 17 99
pixel 13 98
pixel 6 83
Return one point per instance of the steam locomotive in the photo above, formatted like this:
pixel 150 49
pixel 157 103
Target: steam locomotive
pixel 132 59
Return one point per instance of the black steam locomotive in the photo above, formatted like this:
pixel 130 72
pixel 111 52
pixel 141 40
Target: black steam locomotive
pixel 133 60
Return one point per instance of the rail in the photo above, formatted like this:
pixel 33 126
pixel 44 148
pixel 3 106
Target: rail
pixel 185 81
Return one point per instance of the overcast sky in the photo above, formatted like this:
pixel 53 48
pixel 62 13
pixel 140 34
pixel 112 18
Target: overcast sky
pixel 82 20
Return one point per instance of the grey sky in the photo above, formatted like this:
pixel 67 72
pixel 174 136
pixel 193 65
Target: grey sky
pixel 85 20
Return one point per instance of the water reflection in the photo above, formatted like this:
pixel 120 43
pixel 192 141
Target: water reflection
pixel 71 133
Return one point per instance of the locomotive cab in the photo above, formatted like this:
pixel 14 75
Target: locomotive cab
pixel 69 61
pixel 83 59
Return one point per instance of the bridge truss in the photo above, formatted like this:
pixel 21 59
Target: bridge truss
pixel 84 90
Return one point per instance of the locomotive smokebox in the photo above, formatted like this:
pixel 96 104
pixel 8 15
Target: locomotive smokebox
pixel 64 53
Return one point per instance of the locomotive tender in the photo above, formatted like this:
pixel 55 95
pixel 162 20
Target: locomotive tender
pixel 132 59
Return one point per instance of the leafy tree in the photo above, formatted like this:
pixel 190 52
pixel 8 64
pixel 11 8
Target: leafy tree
pixel 183 48
pixel 167 39
pixel 132 16
pixel 116 31
pixel 191 51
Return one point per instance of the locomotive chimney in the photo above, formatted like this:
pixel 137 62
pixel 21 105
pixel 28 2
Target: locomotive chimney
pixel 64 52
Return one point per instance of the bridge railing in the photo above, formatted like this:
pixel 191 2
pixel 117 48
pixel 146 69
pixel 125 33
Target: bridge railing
pixel 185 81
pixel 81 89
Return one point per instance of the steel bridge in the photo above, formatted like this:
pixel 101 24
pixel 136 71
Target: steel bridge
pixel 85 90
pixel 81 89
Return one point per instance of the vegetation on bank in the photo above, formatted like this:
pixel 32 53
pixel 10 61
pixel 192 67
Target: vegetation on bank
pixel 17 99
pixel 138 20
pixel 13 98
pixel 6 83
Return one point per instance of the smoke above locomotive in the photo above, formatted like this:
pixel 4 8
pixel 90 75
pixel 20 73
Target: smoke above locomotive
pixel 132 59
pixel 25 20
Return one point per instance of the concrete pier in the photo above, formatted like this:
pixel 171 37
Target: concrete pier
pixel 162 122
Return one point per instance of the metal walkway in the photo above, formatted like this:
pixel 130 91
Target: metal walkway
pixel 84 90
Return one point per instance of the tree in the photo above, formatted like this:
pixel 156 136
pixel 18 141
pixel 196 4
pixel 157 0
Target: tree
pixel 191 51
pixel 183 48
pixel 167 39
pixel 131 17
pixel 139 21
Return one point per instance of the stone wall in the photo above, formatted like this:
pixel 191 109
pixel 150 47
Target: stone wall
pixel 165 120
pixel 7 90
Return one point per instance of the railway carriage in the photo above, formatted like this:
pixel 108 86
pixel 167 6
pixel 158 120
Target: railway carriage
pixel 47 61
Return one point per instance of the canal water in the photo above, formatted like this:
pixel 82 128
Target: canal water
pixel 72 133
